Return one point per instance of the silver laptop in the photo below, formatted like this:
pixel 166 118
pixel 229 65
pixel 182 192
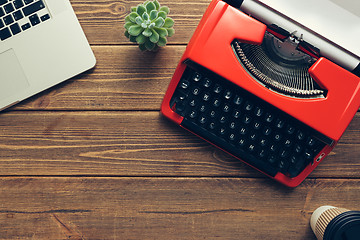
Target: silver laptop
pixel 333 26
pixel 41 45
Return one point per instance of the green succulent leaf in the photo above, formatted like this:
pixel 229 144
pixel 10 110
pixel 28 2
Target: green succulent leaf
pixel 149 45
pixel 140 9
pixel 128 25
pixel 165 9
pixel 135 30
pixel 133 16
pixel 139 20
pixel 147 32
pixel 168 23
pixel 154 37
pixel 162 42
pixel 157 4
pixel 170 31
pixel 127 34
pixel 133 9
pixel 152 25
pixel 161 31
pixel 145 16
pixel 159 22
pixel 142 47
pixel 153 14
pixel 150 6
pixel 141 39
pixel 162 14
pixel 127 18
pixel 133 39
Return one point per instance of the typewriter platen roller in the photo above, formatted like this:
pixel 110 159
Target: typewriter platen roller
pixel 270 64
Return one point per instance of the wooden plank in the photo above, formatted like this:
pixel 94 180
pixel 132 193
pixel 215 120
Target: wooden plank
pixel 103 21
pixel 165 208
pixel 124 79
pixel 132 144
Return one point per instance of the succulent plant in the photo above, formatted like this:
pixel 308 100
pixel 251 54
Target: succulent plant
pixel 148 25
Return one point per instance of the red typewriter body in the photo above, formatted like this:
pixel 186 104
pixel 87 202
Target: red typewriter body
pixel 211 47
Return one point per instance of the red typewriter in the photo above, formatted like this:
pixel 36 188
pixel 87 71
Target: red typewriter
pixel 266 89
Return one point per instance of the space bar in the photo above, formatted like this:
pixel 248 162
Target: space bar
pixel 237 152
pixel 34 7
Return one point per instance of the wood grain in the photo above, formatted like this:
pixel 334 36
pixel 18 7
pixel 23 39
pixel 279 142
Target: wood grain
pixel 164 208
pixel 132 144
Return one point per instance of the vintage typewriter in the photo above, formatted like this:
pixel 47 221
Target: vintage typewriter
pixel 274 83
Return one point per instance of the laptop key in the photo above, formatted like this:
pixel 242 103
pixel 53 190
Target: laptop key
pixel 34 19
pixel 1 23
pixel 18 4
pixel 8 19
pixel 34 7
pixel 28 1
pixel 15 28
pixel 25 26
pixel 2 2
pixel 45 17
pixel 2 13
pixel 9 8
pixel 5 33
pixel 18 15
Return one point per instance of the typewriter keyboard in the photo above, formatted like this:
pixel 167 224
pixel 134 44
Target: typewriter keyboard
pixel 245 125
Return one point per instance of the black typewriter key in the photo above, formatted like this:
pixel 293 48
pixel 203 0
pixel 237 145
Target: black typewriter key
pixel 232 137
pixel 216 102
pixel 310 142
pixel 253 136
pixel 279 123
pixel 202 108
pixel 257 125
pixel 284 153
pixel 288 143
pixel 251 148
pixel 196 77
pixel 273 148
pixel 290 129
pixel 226 108
pixel 300 135
pixel 248 106
pixel 184 84
pixel 227 94
pixel 308 154
pixel 242 142
pixel 195 91
pixel 298 148
pixel 267 131
pixel 212 125
pixel 193 114
pixel 263 142
pixel 272 159
pixel 243 131
pixel 212 114
pixel 192 103
pixel 277 137
pixel 236 114
pixel 246 119
pixel 238 100
pixel 259 112
pixel 207 82
pixel 222 131
pixel 202 120
pixel 217 88
pixel 232 125
pixel 283 165
pixel 262 153
pixel 269 117
pixel 206 97
pixel 222 119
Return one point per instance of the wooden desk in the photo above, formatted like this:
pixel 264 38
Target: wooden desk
pixel 93 158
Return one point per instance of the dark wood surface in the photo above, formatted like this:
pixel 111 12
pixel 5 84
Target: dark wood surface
pixel 92 158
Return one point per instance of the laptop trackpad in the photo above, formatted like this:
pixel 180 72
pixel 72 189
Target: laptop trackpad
pixel 12 76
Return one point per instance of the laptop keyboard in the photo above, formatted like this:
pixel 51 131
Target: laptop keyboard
pixel 17 16
pixel 245 125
